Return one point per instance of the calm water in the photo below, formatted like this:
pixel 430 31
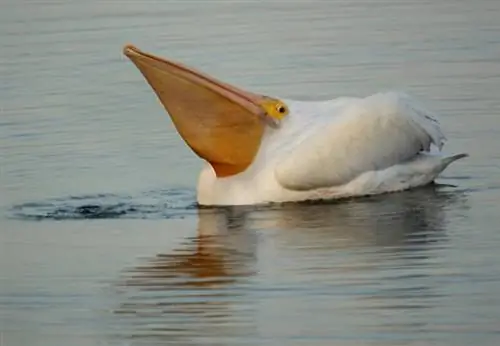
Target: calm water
pixel 101 241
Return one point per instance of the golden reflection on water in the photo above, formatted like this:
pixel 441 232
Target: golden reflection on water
pixel 212 285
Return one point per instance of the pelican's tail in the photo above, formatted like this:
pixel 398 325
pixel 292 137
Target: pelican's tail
pixel 450 159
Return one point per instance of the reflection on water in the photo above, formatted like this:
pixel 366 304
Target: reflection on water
pixel 191 291
pixel 414 268
pixel 215 286
pixel 386 220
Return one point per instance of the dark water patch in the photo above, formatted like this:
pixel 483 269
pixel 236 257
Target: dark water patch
pixel 173 203
pixel 179 203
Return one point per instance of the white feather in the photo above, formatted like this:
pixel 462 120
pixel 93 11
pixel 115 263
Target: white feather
pixel 370 134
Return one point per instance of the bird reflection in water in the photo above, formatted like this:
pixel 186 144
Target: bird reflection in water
pixel 191 291
pixel 213 287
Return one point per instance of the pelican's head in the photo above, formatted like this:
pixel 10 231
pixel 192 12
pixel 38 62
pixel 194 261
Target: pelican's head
pixel 222 124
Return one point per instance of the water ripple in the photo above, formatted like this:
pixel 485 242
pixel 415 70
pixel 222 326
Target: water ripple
pixel 172 203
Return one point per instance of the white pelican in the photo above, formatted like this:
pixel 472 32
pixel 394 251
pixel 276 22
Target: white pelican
pixel 260 149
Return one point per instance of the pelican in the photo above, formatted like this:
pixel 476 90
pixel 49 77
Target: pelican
pixel 260 149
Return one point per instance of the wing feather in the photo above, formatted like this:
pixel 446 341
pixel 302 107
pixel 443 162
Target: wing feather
pixel 368 134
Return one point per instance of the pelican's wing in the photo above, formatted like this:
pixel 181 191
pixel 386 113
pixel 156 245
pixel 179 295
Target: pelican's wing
pixel 368 134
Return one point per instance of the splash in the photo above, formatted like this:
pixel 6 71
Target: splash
pixel 162 204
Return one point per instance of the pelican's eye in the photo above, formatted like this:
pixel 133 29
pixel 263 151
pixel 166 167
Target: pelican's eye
pixel 275 109
pixel 281 108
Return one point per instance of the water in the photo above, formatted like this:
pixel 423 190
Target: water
pixel 101 240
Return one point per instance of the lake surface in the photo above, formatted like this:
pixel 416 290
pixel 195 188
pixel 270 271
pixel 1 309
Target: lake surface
pixel 101 242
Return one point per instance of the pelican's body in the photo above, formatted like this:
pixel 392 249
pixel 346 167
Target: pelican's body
pixel 338 148
pixel 260 149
